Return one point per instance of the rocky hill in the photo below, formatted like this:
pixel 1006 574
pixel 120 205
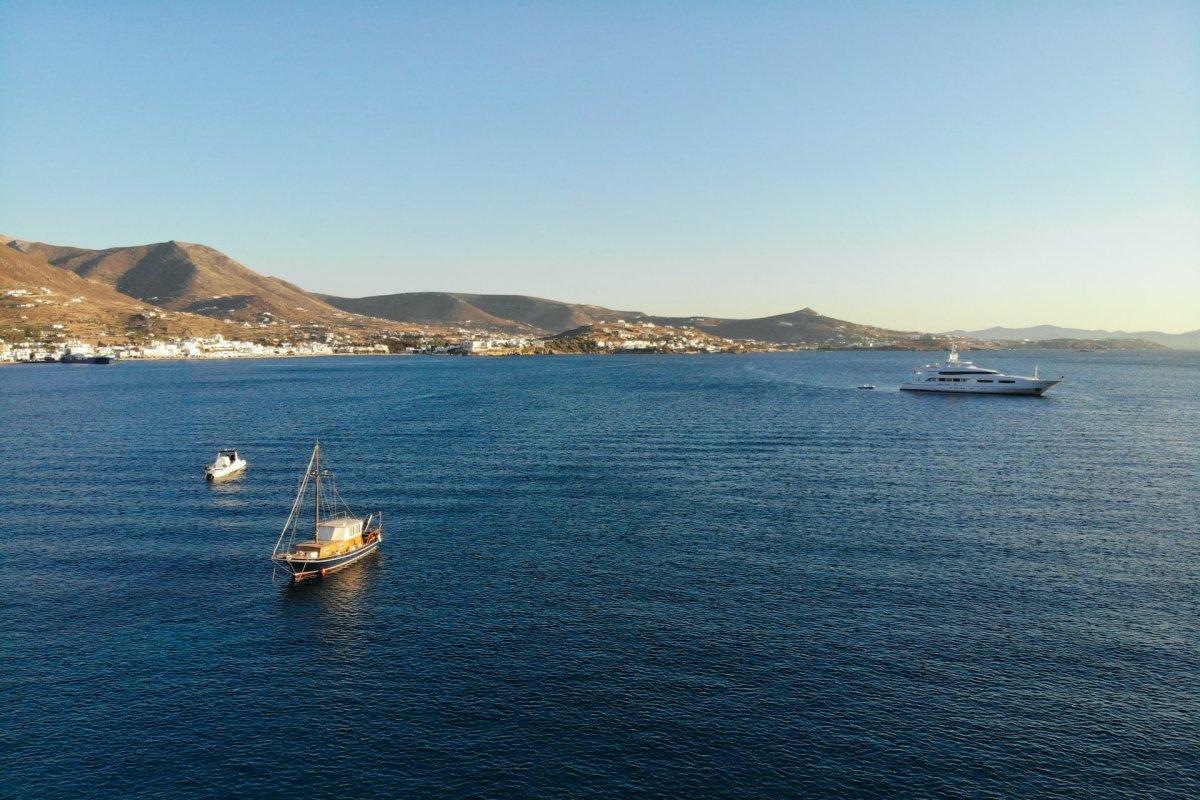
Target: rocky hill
pixel 178 281
pixel 638 337
pixel 805 326
pixel 1044 333
pixel 194 278
pixel 37 297
pixel 512 312
pixel 524 314
pixel 1085 345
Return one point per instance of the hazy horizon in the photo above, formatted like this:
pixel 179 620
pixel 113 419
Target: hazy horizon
pixel 930 167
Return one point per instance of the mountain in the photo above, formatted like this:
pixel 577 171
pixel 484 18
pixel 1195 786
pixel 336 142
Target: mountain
pixel 186 277
pixel 538 315
pixel 36 296
pixel 805 326
pixel 503 311
pixel 1038 333
pixel 194 279
pixel 1087 345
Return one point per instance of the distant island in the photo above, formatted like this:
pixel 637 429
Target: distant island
pixel 1084 345
pixel 178 299
pixel 1045 334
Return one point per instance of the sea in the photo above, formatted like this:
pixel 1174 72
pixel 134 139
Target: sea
pixel 614 577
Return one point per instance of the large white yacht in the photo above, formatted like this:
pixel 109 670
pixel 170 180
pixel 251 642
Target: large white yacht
pixel 957 375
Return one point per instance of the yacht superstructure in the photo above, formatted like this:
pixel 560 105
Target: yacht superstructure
pixel 957 375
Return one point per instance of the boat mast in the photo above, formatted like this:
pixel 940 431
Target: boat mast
pixel 317 491
pixel 297 504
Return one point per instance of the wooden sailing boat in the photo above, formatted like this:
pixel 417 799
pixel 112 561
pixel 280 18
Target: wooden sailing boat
pixel 339 537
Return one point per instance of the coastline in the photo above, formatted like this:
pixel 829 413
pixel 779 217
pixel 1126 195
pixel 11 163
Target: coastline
pixel 636 353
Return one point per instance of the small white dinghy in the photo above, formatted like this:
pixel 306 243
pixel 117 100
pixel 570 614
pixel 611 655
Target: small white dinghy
pixel 228 463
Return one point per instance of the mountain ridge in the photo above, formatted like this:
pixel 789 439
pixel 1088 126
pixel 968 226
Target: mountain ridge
pixel 197 279
pixel 39 295
pixel 183 276
pixel 806 326
pixel 1188 340
pixel 515 312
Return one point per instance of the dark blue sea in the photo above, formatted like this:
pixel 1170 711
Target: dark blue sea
pixel 605 577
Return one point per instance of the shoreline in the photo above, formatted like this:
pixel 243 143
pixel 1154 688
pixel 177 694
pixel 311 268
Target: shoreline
pixel 638 354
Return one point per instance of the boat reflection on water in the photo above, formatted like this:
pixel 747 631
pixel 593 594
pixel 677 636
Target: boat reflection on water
pixel 335 612
pixel 351 582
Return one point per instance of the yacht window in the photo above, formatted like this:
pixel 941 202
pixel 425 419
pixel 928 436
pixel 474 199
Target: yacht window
pixel 983 380
pixel 1008 381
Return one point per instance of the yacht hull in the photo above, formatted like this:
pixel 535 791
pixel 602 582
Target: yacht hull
pixel 1026 388
pixel 308 568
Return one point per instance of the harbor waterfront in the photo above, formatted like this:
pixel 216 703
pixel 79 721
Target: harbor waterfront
pixel 617 576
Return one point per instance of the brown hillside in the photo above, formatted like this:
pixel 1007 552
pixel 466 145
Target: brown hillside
pixel 421 307
pixel 189 277
pixel 83 308
pixel 805 326
pixel 508 311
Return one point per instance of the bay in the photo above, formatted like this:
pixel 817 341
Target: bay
pixel 615 576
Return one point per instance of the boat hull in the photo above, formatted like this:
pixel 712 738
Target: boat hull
pixel 308 568
pixel 86 360
pixel 1028 388
pixel 211 475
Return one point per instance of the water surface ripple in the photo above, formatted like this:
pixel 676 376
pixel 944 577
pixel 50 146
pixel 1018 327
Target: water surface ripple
pixel 606 577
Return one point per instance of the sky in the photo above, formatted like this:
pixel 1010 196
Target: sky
pixel 914 165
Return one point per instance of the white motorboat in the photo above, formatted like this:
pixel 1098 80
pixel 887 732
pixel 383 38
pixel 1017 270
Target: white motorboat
pixel 228 463
pixel 957 375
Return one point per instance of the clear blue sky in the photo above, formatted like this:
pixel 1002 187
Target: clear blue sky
pixel 918 165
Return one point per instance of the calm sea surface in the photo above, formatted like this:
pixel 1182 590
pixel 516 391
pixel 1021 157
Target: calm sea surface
pixel 605 577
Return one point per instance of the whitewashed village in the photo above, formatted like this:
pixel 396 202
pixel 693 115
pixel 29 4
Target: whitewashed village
pixel 269 337
pixel 144 335
pixel 615 338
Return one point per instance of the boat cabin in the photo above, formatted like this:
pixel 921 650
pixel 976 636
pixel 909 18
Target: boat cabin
pixel 333 537
pixel 339 529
